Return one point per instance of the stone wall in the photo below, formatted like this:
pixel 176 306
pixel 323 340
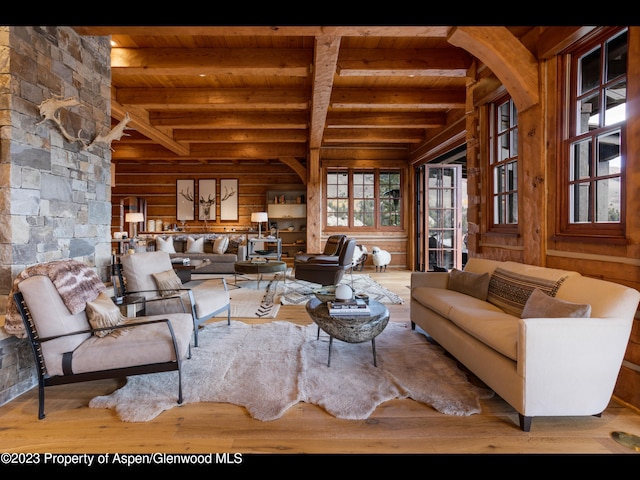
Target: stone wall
pixel 55 195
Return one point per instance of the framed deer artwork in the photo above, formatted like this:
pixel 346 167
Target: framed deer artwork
pixel 207 199
pixel 185 195
pixel 229 199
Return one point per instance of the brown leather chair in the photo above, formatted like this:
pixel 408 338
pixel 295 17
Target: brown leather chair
pixel 323 270
pixel 331 248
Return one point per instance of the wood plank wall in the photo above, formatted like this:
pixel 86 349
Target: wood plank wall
pixel 156 183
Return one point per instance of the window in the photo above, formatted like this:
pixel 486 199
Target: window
pixel 363 198
pixel 503 158
pixel 594 148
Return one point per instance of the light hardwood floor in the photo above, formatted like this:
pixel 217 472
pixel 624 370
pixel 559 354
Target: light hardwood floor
pixel 396 427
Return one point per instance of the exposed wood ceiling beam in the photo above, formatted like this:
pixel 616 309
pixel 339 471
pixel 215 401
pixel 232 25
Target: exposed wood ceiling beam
pixel 311 31
pixel 326 57
pixel 258 120
pixel 204 61
pixel 139 120
pixel 397 98
pixel 385 120
pixel 435 62
pixel 212 98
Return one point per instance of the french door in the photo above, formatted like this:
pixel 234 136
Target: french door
pixel 438 217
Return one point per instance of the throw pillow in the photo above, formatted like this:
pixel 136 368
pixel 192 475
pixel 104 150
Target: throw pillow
pixel 167 282
pixel 509 291
pixel 195 245
pixel 220 244
pixel 233 246
pixel 102 312
pixel 165 245
pixel 469 283
pixel 541 305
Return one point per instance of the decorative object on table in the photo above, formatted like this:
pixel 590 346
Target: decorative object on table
pixel 326 293
pixel 381 258
pixel 355 306
pixel 206 200
pixel 362 296
pixel 134 218
pixel 352 390
pixel 259 217
pixel 185 196
pixel 229 199
pixel 344 293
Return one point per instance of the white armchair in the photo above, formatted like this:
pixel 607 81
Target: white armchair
pixel 151 274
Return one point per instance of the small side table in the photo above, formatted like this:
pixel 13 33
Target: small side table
pixel 131 305
pixel 349 328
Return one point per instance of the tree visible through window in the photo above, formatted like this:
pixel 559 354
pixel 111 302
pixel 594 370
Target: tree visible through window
pixel 363 198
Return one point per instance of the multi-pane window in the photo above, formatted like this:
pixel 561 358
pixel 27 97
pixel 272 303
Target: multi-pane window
pixel 594 147
pixel 503 158
pixel 362 198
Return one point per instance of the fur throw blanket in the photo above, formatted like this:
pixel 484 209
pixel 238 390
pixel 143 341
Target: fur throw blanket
pixel 76 283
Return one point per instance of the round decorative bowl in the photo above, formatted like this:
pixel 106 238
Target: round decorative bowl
pixel 263 252
pixel 326 293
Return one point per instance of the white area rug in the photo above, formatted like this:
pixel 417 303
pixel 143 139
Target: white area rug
pixel 268 368
pixel 296 292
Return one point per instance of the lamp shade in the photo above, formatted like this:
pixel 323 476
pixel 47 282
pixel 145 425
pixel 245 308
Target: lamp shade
pixel 259 217
pixel 134 217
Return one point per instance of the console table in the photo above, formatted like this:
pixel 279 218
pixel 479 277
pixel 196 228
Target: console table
pixel 252 253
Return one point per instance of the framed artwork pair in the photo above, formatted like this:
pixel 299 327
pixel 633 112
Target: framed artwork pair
pixel 206 197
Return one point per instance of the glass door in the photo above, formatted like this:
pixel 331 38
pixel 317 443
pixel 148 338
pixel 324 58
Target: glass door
pixel 439 217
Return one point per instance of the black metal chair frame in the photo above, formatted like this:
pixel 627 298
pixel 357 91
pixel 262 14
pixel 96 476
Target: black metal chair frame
pixel 45 380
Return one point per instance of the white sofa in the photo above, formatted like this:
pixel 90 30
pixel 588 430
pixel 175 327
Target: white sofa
pixel 543 365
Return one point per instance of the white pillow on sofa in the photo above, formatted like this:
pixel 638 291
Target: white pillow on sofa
pixel 195 245
pixel 165 245
pixel 220 244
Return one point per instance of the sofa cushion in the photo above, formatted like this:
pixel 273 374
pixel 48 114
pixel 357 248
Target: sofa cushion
pixel 195 245
pixel 510 290
pixel 102 312
pixel 541 305
pixel 220 244
pixel 165 245
pixel 168 282
pixel 442 301
pixel 469 283
pixel 491 326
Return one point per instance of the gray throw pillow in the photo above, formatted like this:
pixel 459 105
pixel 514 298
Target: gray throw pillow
pixel 541 305
pixel 469 283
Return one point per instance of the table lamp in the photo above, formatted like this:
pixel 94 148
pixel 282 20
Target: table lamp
pixel 135 218
pixel 259 217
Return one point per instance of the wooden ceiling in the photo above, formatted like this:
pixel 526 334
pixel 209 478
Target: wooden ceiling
pixel 205 94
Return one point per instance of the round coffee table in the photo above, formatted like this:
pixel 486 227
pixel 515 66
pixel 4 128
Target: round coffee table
pixel 349 328
pixel 258 268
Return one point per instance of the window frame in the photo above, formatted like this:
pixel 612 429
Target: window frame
pixel 494 162
pixel 377 199
pixel 569 86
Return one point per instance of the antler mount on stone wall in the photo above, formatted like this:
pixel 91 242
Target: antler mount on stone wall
pixel 50 110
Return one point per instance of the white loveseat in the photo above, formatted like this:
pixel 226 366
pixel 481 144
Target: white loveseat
pixel 543 365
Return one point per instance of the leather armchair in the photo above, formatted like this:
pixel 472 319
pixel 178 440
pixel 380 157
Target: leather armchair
pixel 331 248
pixel 323 269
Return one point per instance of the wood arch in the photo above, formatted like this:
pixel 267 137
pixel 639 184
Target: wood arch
pixel 506 56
